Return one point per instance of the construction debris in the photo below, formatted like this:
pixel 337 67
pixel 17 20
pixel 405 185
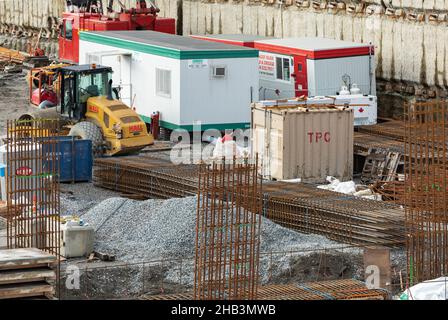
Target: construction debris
pixel 11 56
pixel 104 256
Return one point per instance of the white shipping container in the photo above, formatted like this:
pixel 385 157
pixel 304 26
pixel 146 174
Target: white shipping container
pixel 296 141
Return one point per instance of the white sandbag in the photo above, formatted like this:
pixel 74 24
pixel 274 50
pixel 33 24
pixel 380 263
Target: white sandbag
pixel 436 289
pixel 347 187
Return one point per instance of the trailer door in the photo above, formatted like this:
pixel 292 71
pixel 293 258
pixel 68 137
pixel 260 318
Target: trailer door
pixel 301 79
pixel 120 63
pixel 66 42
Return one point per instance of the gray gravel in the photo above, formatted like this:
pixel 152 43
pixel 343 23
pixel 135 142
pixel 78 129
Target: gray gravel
pixel 78 198
pixel 148 230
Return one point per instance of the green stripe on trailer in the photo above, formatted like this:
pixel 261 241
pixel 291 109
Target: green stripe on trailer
pixel 145 118
pixel 217 126
pixel 166 52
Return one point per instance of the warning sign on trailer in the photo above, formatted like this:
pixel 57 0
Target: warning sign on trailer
pixel 266 65
pixel 197 63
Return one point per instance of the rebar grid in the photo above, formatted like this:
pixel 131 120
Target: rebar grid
pixel 363 141
pixel 426 190
pixel 393 129
pixel 339 217
pixel 227 231
pixel 146 176
pixel 323 290
pixel 390 191
pixel 32 185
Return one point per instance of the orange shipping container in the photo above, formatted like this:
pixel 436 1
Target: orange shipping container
pixel 295 140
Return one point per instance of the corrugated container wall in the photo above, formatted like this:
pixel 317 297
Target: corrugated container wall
pixel 301 142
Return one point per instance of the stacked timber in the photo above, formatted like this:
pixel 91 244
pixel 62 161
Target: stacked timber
pixel 26 273
pixel 14 56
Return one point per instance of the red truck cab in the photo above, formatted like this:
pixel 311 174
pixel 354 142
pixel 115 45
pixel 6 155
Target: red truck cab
pixel 132 19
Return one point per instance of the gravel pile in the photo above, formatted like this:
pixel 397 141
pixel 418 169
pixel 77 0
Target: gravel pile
pixel 78 198
pixel 148 230
pixel 152 229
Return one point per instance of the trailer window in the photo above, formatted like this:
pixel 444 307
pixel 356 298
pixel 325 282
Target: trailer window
pixel 283 68
pixel 163 83
pixel 68 29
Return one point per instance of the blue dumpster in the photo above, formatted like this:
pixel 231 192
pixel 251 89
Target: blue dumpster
pixel 76 159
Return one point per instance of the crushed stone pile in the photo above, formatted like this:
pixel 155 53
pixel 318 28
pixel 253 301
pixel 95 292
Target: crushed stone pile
pixel 148 231
pixel 140 230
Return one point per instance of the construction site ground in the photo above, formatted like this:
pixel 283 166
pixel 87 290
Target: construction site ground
pixel 289 256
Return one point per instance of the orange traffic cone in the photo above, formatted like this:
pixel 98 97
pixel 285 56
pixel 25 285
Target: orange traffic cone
pixel 34 208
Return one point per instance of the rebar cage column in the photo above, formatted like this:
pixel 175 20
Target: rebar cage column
pixel 32 185
pixel 228 230
pixel 426 190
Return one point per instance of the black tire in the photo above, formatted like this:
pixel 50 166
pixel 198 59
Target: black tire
pixel 89 131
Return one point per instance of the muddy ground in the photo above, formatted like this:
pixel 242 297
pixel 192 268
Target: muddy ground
pixel 14 97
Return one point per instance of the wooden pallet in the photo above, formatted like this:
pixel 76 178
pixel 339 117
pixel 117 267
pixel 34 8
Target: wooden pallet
pixel 26 273
pixel 380 165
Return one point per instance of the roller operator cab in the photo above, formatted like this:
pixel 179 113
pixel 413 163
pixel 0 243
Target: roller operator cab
pixel 86 99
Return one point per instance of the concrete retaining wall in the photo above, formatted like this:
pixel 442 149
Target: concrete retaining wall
pixel 406 49
pixel 410 35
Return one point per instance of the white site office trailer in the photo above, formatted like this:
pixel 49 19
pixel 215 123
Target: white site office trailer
pixel 304 66
pixel 186 80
